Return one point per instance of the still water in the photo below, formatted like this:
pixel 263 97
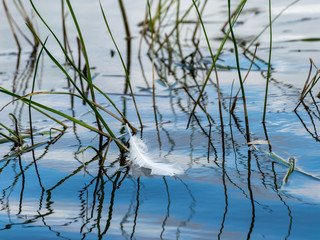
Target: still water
pixel 228 190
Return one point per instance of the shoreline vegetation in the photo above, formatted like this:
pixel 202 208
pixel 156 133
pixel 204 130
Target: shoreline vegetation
pixel 152 32
pixel 176 40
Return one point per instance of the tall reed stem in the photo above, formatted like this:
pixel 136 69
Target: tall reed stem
pixel 215 69
pixel 269 67
pixel 123 64
pixel 153 76
pixel 88 71
pixel 241 5
pixel 239 73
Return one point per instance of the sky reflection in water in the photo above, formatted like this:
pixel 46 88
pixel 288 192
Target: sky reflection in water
pixel 227 192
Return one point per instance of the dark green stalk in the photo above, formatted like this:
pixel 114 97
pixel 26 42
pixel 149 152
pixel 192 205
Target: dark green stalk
pixel 174 29
pixel 88 71
pixel 213 64
pixel 153 79
pixel 83 48
pixel 236 96
pixel 72 63
pixel 177 29
pixel 15 139
pixel 292 162
pixel 230 100
pixel 9 130
pixel 30 115
pixel 33 103
pixel 125 20
pixel 70 60
pixel 216 57
pixel 32 89
pixel 79 96
pixel 81 93
pixel 123 64
pixel 269 67
pixel 9 17
pixel 27 101
pixel 309 84
pixel 239 73
pixel 19 139
pixel 87 78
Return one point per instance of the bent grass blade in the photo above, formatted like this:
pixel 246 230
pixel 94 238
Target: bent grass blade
pixel 33 103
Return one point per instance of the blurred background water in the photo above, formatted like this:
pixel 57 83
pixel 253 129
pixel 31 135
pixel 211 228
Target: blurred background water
pixel 228 191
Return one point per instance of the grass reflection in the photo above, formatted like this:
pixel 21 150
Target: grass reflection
pixel 227 186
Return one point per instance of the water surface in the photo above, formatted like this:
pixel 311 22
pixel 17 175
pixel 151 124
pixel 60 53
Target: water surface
pixel 228 191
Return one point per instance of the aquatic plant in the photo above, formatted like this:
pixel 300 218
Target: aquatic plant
pixel 218 162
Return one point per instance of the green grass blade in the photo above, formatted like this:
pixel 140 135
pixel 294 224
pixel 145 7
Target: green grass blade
pixel 8 138
pixel 216 57
pixel 70 60
pixel 27 101
pixel 239 71
pixel 81 40
pixel 269 67
pixel 78 96
pixel 88 72
pixel 3 90
pixel 122 61
pixel 81 93
pixel 213 62
pixel 32 89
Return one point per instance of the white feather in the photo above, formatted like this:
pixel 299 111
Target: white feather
pixel 139 156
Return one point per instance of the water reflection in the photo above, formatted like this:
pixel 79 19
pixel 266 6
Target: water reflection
pixel 228 190
pixel 105 201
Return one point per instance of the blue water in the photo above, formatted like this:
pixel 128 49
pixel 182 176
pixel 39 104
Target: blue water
pixel 242 198
pixel 227 191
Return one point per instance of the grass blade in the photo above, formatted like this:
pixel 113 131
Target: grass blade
pixel 123 64
pixel 239 73
pixel 269 67
pixel 216 57
pixel 33 103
